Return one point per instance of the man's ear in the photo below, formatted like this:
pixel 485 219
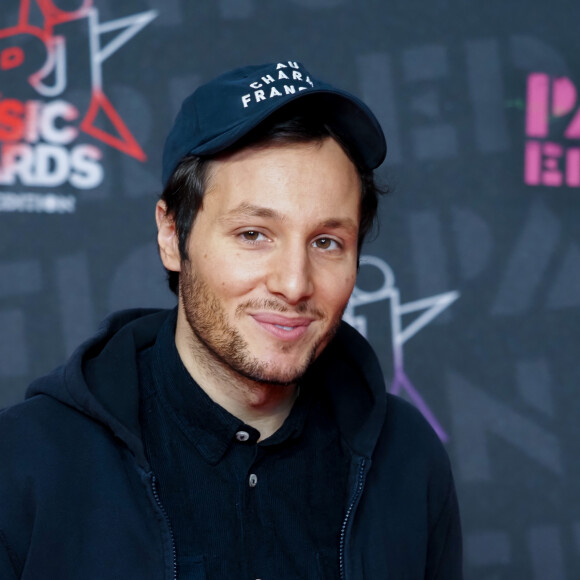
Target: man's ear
pixel 167 238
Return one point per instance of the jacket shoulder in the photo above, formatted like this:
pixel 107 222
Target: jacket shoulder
pixel 406 425
pixel 409 451
pixel 410 504
pixel 31 431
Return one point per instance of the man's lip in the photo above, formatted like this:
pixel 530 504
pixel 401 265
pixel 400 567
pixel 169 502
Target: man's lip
pixel 285 328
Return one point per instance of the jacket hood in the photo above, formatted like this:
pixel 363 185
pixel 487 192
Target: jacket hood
pixel 100 380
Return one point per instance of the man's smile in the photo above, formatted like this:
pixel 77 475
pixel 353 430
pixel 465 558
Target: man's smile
pixel 283 327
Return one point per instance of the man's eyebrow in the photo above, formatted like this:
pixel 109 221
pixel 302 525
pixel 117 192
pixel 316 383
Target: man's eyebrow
pixel 250 210
pixel 336 223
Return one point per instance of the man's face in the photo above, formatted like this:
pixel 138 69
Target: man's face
pixel 272 259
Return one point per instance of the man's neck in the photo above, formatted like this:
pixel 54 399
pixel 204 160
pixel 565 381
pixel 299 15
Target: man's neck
pixel 261 405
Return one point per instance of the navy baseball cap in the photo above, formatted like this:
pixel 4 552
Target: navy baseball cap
pixel 223 111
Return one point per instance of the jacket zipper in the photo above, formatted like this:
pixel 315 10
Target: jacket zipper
pixel 166 517
pixel 347 517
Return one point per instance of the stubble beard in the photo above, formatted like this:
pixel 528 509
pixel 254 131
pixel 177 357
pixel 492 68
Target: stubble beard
pixel 221 346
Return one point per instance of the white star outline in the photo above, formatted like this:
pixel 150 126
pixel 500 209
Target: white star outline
pixel 431 307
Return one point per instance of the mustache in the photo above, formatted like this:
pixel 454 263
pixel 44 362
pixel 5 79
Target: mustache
pixel 273 305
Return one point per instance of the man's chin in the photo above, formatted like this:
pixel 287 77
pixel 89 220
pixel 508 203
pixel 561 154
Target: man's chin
pixel 274 376
pixel 274 370
pixel 283 370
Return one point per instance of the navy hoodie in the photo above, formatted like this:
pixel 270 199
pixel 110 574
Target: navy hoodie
pixel 78 499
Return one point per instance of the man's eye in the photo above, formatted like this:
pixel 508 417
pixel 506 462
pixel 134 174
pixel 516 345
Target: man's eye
pixel 251 235
pixel 326 244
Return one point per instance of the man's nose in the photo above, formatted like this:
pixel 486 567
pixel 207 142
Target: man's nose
pixel 290 275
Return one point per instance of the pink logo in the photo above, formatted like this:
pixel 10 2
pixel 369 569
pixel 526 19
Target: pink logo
pixel 549 162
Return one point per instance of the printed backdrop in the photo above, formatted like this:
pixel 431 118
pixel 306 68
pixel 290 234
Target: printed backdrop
pixel 471 291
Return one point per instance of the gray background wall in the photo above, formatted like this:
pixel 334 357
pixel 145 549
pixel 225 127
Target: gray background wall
pixel 471 291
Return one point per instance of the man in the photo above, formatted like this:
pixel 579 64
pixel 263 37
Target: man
pixel 248 433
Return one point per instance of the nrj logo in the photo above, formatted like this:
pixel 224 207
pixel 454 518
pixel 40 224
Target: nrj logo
pixel 552 154
pixel 39 127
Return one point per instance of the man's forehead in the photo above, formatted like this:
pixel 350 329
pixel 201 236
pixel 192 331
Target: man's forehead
pixel 252 184
pixel 254 160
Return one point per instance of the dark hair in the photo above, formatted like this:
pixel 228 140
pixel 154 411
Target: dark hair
pixel 185 189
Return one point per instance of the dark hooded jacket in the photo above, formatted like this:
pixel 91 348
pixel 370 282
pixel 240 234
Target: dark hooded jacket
pixel 78 499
